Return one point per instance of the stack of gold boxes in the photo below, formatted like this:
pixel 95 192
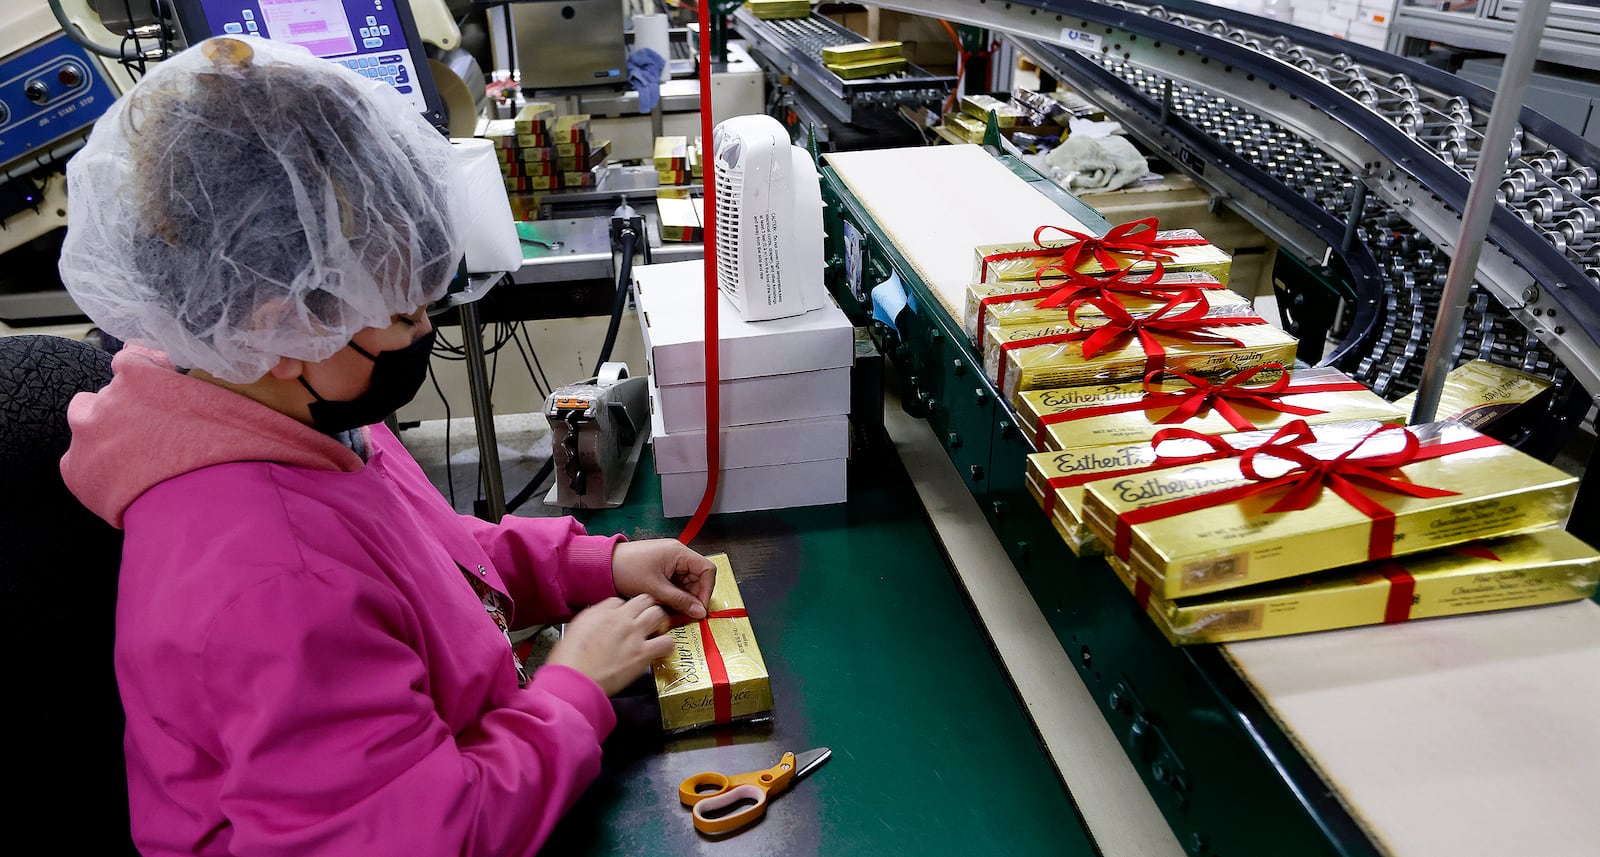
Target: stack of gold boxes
pixel 1237 496
pixel 674 157
pixel 1134 315
pixel 1397 524
pixel 864 59
pixel 970 119
pixel 540 151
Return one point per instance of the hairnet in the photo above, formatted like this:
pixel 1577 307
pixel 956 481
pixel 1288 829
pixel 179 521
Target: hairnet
pixel 247 201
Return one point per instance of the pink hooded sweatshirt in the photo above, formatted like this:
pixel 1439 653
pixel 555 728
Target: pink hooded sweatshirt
pixel 306 669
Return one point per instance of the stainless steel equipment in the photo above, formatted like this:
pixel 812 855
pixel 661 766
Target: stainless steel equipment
pixel 573 43
pixel 597 430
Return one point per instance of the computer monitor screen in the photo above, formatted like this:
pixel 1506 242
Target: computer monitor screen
pixel 375 38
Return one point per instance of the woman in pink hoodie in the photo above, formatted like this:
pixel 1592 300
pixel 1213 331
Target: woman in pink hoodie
pixel 311 644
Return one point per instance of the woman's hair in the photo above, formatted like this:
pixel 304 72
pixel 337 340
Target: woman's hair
pixel 247 201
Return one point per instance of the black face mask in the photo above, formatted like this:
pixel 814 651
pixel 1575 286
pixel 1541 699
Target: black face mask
pixel 396 378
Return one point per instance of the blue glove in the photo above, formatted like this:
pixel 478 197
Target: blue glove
pixel 644 73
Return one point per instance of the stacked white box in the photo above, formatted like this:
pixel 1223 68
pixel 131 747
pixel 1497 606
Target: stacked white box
pixel 785 394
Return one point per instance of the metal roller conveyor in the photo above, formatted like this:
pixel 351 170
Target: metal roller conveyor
pixel 1380 147
pixel 794 46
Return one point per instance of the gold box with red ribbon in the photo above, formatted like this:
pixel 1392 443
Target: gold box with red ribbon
pixel 715 673
pixel 1055 479
pixel 1049 300
pixel 1262 397
pixel 1545 567
pixel 1280 511
pixel 1137 245
pixel 1184 335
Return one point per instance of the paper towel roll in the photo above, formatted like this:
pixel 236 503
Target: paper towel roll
pixel 482 212
pixel 650 31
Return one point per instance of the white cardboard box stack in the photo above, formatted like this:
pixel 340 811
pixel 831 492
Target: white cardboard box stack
pixel 785 391
pixel 1364 22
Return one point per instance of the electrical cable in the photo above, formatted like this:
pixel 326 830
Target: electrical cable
pixel 713 370
pixel 619 304
pixel 449 477
pixel 76 34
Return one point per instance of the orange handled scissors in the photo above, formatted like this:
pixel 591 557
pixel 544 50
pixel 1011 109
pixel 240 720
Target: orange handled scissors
pixel 710 792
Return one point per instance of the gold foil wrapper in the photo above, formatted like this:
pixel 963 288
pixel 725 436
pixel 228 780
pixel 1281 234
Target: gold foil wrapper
pixel 979 106
pixel 683 679
pixel 1501 492
pixel 1079 466
pixel 1336 406
pixel 1196 257
pixel 1545 567
pixel 1480 392
pixel 1062 364
pixel 974 317
pixel 858 51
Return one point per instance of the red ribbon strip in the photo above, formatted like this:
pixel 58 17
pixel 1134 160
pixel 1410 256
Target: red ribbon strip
pixel 1137 241
pixel 1188 403
pixel 1346 476
pixel 1189 325
pixel 721 696
pixel 1403 587
pixel 1296 433
pixel 1076 285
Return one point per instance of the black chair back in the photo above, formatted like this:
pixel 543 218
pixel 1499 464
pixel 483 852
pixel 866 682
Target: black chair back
pixel 63 718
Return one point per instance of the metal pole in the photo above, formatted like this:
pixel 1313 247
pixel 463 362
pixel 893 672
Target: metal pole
pixel 482 413
pixel 1486 179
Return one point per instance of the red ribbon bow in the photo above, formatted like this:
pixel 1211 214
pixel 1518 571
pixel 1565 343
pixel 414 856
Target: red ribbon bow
pixel 1188 325
pixel 721 696
pixel 1296 433
pixel 1189 403
pixel 1138 241
pixel 1202 394
pixel 1346 475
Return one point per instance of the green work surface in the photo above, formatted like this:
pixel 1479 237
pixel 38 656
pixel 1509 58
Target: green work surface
pixel 872 652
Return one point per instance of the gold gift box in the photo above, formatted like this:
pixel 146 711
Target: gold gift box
pixel 836 54
pixel 671 153
pixel 965 127
pixel 1500 492
pixel 1545 567
pixel 1062 364
pixel 534 117
pixel 1198 257
pixel 679 218
pixel 683 679
pixel 1335 405
pixel 1479 392
pixel 1051 322
pixel 976 316
pixel 773 10
pixel 867 68
pixel 1072 469
pixel 979 107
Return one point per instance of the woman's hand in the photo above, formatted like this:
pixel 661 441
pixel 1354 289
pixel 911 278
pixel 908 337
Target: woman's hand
pixel 613 642
pixel 664 569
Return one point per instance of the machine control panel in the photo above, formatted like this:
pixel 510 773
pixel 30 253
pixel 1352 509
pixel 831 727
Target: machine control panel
pixel 49 91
